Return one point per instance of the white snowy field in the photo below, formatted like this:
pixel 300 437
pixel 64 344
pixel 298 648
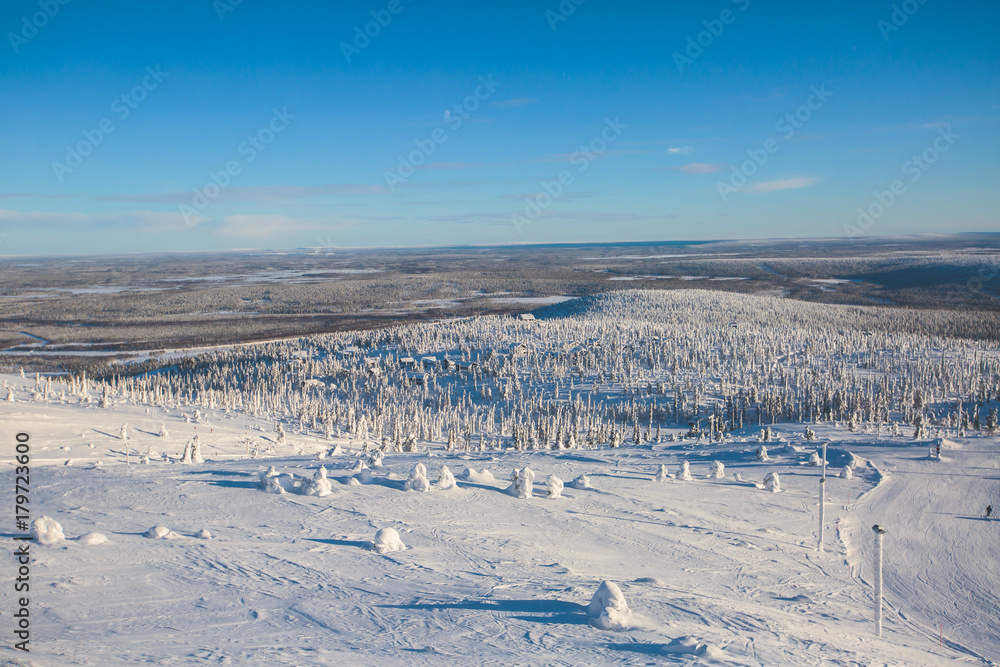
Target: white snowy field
pixel 714 571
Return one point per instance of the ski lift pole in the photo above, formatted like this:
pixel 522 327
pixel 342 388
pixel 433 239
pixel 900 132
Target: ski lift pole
pixel 822 504
pixel 822 513
pixel 879 534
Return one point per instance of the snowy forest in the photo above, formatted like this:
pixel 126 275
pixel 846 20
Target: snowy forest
pixel 606 370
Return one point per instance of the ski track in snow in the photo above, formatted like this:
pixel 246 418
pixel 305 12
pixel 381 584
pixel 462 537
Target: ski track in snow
pixel 291 580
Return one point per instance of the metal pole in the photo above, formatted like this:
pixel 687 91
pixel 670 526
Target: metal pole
pixel 822 503
pixel 879 533
pixel 822 512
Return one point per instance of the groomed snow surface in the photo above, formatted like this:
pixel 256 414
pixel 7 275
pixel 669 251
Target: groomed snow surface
pixel 190 564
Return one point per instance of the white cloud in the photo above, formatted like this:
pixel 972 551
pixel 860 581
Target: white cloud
pixel 148 220
pixel 680 150
pixel 696 168
pixel 264 226
pixel 787 184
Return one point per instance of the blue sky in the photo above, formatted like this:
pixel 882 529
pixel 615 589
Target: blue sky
pixel 596 122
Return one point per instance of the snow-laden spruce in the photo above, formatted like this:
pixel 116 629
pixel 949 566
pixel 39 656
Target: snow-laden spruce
pixel 446 480
pixel 521 482
pixel 662 474
pixel 47 531
pixel 418 479
pixel 192 451
pixel 847 472
pixel 718 470
pixel 553 487
pixel 608 610
pixel 388 539
pixel 319 485
pixel 270 481
pixel 685 474
pixel 772 482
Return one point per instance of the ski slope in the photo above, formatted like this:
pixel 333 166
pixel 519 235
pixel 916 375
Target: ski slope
pixel 714 571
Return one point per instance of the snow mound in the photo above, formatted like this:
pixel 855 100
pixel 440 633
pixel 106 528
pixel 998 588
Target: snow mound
pixel 336 451
pixel 772 483
pixel 815 460
pixel 91 539
pixel 418 479
pixel 847 472
pixel 608 609
pixel 160 533
pixel 364 475
pixel 718 470
pixel 685 473
pixel 662 475
pixel 319 486
pixel 388 539
pixel 203 534
pixel 582 482
pixel 47 531
pixel 553 487
pixel 484 477
pixel 691 646
pixel 446 480
pixel 521 482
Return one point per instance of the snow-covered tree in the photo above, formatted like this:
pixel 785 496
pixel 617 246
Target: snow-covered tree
pixel 553 487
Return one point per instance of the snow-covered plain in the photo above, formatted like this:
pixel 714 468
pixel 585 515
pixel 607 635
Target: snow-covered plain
pixel 713 570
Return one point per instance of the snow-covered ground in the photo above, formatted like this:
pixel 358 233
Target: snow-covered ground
pixel 713 571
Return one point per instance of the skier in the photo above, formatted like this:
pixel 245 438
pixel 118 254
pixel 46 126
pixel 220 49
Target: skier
pixel 989 511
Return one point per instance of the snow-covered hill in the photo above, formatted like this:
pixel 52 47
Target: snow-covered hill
pixel 600 409
pixel 711 569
